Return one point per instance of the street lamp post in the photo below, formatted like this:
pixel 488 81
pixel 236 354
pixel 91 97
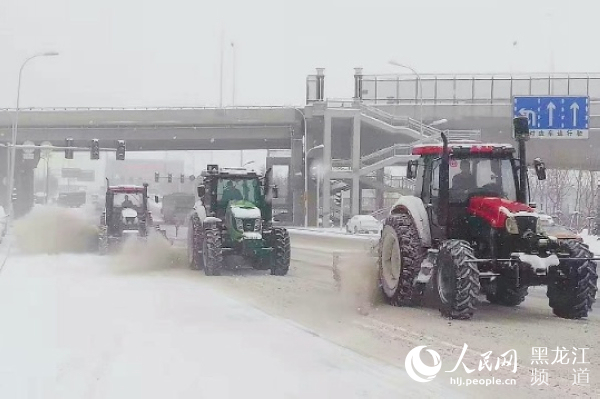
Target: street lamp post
pixel 11 171
pixel 395 63
pixel 306 182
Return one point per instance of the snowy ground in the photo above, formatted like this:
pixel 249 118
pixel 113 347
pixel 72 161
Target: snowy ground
pixel 140 324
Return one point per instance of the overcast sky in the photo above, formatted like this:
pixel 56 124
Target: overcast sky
pixel 166 53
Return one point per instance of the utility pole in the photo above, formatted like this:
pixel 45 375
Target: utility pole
pixel 221 82
pixel 233 73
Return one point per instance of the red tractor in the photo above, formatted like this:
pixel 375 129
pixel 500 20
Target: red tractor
pixel 469 230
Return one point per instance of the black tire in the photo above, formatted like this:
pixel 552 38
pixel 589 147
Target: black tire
pixel 457 280
pixel 573 285
pixel 212 251
pixel 281 257
pixel 399 260
pixel 194 251
pixel 507 293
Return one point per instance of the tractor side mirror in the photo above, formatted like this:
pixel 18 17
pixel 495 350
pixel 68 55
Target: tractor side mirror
pixel 156 199
pixel 411 169
pixel 275 192
pixel 540 169
pixel 201 191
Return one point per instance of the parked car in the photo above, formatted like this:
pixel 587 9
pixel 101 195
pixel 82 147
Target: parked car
pixel 363 224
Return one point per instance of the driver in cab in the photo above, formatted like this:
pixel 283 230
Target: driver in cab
pixel 465 180
pixel 127 202
pixel 231 193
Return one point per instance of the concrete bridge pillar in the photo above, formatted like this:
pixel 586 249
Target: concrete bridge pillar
pixel 24 182
pixel 296 176
pixel 4 157
pixel 355 193
pixel 325 194
pixel 379 194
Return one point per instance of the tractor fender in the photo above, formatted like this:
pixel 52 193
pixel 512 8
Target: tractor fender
pixel 211 220
pixel 199 210
pixel 415 208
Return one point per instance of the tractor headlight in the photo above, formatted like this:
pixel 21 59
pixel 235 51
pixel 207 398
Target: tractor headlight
pixel 258 224
pixel 511 225
pixel 239 224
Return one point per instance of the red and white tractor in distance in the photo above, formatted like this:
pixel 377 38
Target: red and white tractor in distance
pixel 469 230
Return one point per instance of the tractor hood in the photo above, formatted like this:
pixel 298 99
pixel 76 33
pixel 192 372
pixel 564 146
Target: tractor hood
pixel 244 210
pixel 495 211
pixel 129 213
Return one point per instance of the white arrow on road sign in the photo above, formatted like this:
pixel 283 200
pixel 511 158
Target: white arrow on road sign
pixel 551 107
pixel 574 107
pixel 530 115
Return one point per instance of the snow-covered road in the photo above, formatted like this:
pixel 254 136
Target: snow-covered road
pixel 81 326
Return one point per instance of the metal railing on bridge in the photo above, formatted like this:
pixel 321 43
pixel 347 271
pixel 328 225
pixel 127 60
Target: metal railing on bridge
pixel 475 88
pixel 403 121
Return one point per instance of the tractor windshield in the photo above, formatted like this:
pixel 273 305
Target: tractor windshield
pixel 238 189
pixel 486 176
pixel 129 200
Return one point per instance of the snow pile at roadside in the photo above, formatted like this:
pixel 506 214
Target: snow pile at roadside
pixel 51 229
pixel 154 253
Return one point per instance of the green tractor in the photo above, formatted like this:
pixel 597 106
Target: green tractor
pixel 233 219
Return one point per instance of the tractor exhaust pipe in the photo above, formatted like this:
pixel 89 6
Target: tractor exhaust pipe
pixel 444 204
pixel 521 127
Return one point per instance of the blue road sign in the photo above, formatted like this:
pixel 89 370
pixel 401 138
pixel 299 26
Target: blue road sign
pixel 555 117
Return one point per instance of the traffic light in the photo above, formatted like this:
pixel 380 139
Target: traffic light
pixel 120 150
pixel 95 149
pixel 156 177
pixel 338 198
pixel 170 178
pixel 68 152
pixel 182 178
pixel 521 127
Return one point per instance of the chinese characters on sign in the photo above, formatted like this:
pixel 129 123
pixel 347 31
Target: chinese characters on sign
pixel 540 356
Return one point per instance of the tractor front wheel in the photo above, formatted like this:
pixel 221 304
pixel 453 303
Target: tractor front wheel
pixel 572 286
pixel 281 252
pixel 194 247
pixel 212 251
pixel 457 280
pixel 506 292
pixel 103 245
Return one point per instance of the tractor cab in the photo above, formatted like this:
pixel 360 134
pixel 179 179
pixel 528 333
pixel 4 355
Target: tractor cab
pixel 126 209
pixel 227 189
pixel 478 175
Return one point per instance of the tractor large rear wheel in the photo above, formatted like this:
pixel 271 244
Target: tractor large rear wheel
pixel 212 251
pixel 457 280
pixel 399 261
pixel 573 285
pixel 281 252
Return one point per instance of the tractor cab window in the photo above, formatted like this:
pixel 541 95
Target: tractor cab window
pixel 129 200
pixel 485 176
pixel 236 190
